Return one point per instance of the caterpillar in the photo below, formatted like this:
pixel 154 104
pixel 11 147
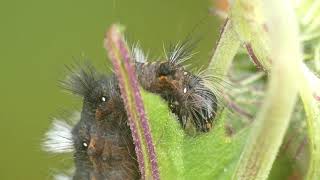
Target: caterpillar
pixel 187 94
pixel 101 139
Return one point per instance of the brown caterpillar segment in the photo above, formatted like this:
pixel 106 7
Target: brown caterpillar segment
pixel 186 94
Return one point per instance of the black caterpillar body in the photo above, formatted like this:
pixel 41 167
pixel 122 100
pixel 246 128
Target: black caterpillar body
pixel 102 139
pixel 187 94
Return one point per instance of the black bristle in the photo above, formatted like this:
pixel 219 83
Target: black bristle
pixel 81 79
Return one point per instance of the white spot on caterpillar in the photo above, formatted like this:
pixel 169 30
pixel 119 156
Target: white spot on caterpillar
pixel 185 73
pixel 185 90
pixel 103 99
pixel 85 144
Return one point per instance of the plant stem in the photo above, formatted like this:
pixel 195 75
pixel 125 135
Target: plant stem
pixel 307 80
pixel 119 54
pixel 272 121
pixel 309 84
pixel 225 51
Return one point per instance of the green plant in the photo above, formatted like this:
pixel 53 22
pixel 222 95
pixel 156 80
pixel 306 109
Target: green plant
pixel 269 32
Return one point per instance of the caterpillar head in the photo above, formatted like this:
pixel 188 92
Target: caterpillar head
pixel 201 102
pixel 188 96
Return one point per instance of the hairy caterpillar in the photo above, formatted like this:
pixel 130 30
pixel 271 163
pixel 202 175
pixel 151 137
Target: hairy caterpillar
pixel 102 142
pixel 187 94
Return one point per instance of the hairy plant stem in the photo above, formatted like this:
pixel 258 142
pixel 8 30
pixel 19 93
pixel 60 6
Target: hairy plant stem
pixel 227 48
pixel 313 121
pixel 119 54
pixel 309 84
pixel 272 121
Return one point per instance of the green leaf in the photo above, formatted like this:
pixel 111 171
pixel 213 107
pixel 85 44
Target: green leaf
pixel 213 155
pixel 168 136
pixel 205 156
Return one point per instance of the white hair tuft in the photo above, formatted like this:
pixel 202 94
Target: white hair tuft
pixel 138 54
pixel 62 177
pixel 59 138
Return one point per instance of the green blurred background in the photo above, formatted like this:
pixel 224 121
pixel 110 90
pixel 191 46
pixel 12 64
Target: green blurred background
pixel 38 38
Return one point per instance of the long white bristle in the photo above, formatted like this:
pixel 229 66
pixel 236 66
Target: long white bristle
pixel 138 54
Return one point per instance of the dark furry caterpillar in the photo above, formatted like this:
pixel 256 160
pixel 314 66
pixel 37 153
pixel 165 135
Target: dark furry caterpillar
pixel 102 142
pixel 187 94
pixel 102 139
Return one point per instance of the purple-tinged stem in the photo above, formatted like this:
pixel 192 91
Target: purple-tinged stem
pixel 316 97
pixel 119 54
pixel 254 57
pixel 141 110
